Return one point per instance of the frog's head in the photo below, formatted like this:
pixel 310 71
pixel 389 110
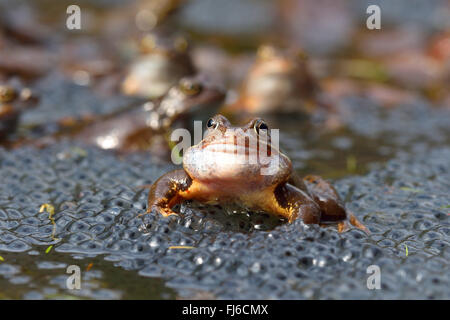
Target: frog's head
pixel 7 94
pixel 278 82
pixel 162 63
pixel 237 156
pixel 190 98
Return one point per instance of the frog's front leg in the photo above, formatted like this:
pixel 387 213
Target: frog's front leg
pixel 168 191
pixel 331 206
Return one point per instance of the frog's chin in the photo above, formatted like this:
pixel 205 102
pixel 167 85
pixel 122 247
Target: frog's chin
pixel 233 171
pixel 219 159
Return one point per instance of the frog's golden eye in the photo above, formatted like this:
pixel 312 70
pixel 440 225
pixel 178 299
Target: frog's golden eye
pixel 148 43
pixel 266 52
pixel 212 124
pixel 180 44
pixel 7 94
pixel 190 87
pixel 301 55
pixel 261 125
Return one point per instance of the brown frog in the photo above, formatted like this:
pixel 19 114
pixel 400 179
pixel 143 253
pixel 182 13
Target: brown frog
pixel 12 102
pixel 278 82
pixel 162 63
pixel 139 128
pixel 219 170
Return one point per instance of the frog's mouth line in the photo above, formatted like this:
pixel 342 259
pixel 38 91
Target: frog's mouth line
pixel 227 145
pixel 262 153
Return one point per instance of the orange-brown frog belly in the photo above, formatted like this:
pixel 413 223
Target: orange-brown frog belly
pixel 227 192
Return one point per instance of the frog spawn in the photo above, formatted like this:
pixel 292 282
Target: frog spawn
pixel 97 215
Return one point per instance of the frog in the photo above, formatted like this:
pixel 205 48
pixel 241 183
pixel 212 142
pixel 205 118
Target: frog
pixel 138 128
pixel 217 171
pixel 162 62
pixel 8 114
pixel 13 101
pixel 279 81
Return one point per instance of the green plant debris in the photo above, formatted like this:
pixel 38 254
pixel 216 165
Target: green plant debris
pixel 351 163
pixel 176 151
pixel 365 69
pixel 51 211
pixel 47 207
pixel 79 151
pixel 48 249
pixel 2 259
pixel 59 296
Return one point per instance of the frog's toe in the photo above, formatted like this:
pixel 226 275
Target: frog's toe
pixel 343 226
pixel 164 211
pixel 167 213
pixel 355 222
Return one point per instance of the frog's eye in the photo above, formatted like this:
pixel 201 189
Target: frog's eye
pixel 189 87
pixel 212 123
pixel 301 55
pixel 180 44
pixel 148 43
pixel 266 52
pixel 261 125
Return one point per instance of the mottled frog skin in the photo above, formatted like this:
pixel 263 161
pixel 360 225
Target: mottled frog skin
pixel 216 171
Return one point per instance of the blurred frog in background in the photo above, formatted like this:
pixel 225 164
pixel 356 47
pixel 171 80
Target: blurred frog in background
pixel 162 63
pixel 147 126
pixel 280 86
pixel 13 101
pixel 279 81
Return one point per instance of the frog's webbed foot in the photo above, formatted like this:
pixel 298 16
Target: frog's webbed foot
pixel 344 226
pixel 324 194
pixel 356 223
pixel 331 206
pixel 162 210
pixel 167 192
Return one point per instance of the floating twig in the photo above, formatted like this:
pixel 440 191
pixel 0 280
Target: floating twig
pixel 51 211
pixel 181 247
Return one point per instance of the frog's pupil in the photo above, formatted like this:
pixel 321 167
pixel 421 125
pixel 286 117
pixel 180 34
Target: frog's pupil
pixel 210 123
pixel 263 126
